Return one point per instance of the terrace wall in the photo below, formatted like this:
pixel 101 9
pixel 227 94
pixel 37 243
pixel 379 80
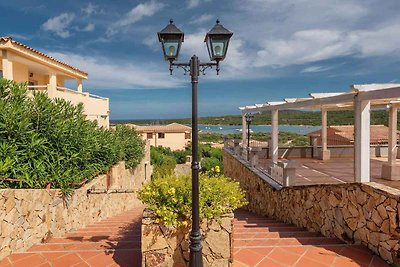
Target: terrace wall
pixel 30 216
pixel 358 213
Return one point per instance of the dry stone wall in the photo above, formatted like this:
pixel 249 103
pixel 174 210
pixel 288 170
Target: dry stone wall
pixel 30 216
pixel 366 214
pixel 162 246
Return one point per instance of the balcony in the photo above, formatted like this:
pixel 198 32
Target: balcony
pixel 96 108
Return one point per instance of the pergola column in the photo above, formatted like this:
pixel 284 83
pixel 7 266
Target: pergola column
pixel 361 140
pixel 244 129
pixel 390 170
pixel 8 72
pixel 325 154
pixel 273 146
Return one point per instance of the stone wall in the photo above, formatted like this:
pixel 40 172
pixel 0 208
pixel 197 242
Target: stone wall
pixel 162 246
pixel 30 216
pixel 358 213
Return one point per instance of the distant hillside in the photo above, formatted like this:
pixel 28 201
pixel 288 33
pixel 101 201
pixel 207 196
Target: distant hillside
pixel 287 117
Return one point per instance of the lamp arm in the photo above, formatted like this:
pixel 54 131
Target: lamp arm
pixel 186 67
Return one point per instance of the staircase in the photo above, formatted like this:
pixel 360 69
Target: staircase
pixel 260 241
pixel 114 241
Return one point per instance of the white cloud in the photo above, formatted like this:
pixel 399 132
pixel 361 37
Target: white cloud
pixel 317 44
pixel 134 15
pixel 195 3
pixel 201 19
pixel 88 28
pixel 59 24
pixel 312 69
pixel 90 9
pixel 107 73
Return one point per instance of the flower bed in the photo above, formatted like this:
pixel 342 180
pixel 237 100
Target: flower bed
pixel 166 223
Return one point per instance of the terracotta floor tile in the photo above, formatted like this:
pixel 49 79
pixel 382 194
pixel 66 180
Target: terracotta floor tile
pixel 284 257
pixel 269 263
pixel 248 256
pixel 305 262
pixel 35 260
pixel 67 260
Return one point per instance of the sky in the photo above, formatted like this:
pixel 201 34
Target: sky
pixel 279 49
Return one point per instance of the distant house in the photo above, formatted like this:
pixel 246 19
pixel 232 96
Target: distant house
pixel 22 63
pixel 344 135
pixel 175 136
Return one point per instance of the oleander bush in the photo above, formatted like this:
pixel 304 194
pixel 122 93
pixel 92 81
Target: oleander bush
pixel 49 143
pixel 170 198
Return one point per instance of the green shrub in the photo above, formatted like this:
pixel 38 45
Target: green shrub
pixel 209 164
pixel 163 161
pixel 170 198
pixel 49 142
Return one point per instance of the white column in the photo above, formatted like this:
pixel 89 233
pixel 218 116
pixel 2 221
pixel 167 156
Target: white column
pixel 391 170
pixel 273 147
pixel 392 142
pixel 8 72
pixel 244 130
pixel 361 140
pixel 79 83
pixel 52 89
pixel 324 153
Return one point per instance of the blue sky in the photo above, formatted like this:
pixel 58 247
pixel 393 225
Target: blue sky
pixel 279 48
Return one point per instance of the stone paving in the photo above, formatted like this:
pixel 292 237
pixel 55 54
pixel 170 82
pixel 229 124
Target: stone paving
pixel 260 241
pixel 112 242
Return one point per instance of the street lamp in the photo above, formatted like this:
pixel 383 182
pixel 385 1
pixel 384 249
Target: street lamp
pixel 217 40
pixel 249 118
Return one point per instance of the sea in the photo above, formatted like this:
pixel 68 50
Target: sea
pixel 230 129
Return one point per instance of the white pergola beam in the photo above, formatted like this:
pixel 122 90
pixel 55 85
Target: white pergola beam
pixel 373 86
pixel 392 142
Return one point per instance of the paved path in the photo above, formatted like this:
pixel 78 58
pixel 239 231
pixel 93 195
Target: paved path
pixel 259 241
pixel 112 242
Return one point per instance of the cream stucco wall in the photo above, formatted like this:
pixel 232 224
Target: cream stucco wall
pixel 175 141
pixel 20 72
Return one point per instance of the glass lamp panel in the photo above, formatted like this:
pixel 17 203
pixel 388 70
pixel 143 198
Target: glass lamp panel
pixel 171 48
pixel 218 48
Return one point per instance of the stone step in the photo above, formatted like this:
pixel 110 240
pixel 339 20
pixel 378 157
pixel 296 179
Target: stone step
pixel 279 242
pixel 245 235
pixel 261 224
pixel 269 229
pixel 86 246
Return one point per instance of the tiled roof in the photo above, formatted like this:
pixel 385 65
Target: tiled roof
pixel 378 133
pixel 169 128
pixel 6 39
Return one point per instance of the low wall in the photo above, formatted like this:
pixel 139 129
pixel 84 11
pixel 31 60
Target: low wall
pixel 30 216
pixel 163 246
pixel 358 213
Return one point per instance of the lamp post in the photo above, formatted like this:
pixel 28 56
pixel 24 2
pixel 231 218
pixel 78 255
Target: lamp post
pixel 249 118
pixel 217 40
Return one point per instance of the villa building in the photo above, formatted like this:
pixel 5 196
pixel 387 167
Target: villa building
pixel 175 136
pixel 344 135
pixel 42 72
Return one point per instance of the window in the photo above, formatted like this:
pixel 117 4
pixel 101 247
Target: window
pixel 188 135
pixel 1 74
pixel 161 135
pixel 149 135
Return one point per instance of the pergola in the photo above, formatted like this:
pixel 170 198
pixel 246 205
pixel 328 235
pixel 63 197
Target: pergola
pixel 361 98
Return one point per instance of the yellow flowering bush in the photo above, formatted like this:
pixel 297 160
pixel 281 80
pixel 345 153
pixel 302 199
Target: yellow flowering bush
pixel 170 198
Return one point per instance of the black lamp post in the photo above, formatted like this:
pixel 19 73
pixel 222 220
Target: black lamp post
pixel 249 118
pixel 217 40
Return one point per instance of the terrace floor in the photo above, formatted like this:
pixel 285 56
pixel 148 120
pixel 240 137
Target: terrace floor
pixel 114 241
pixel 333 171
